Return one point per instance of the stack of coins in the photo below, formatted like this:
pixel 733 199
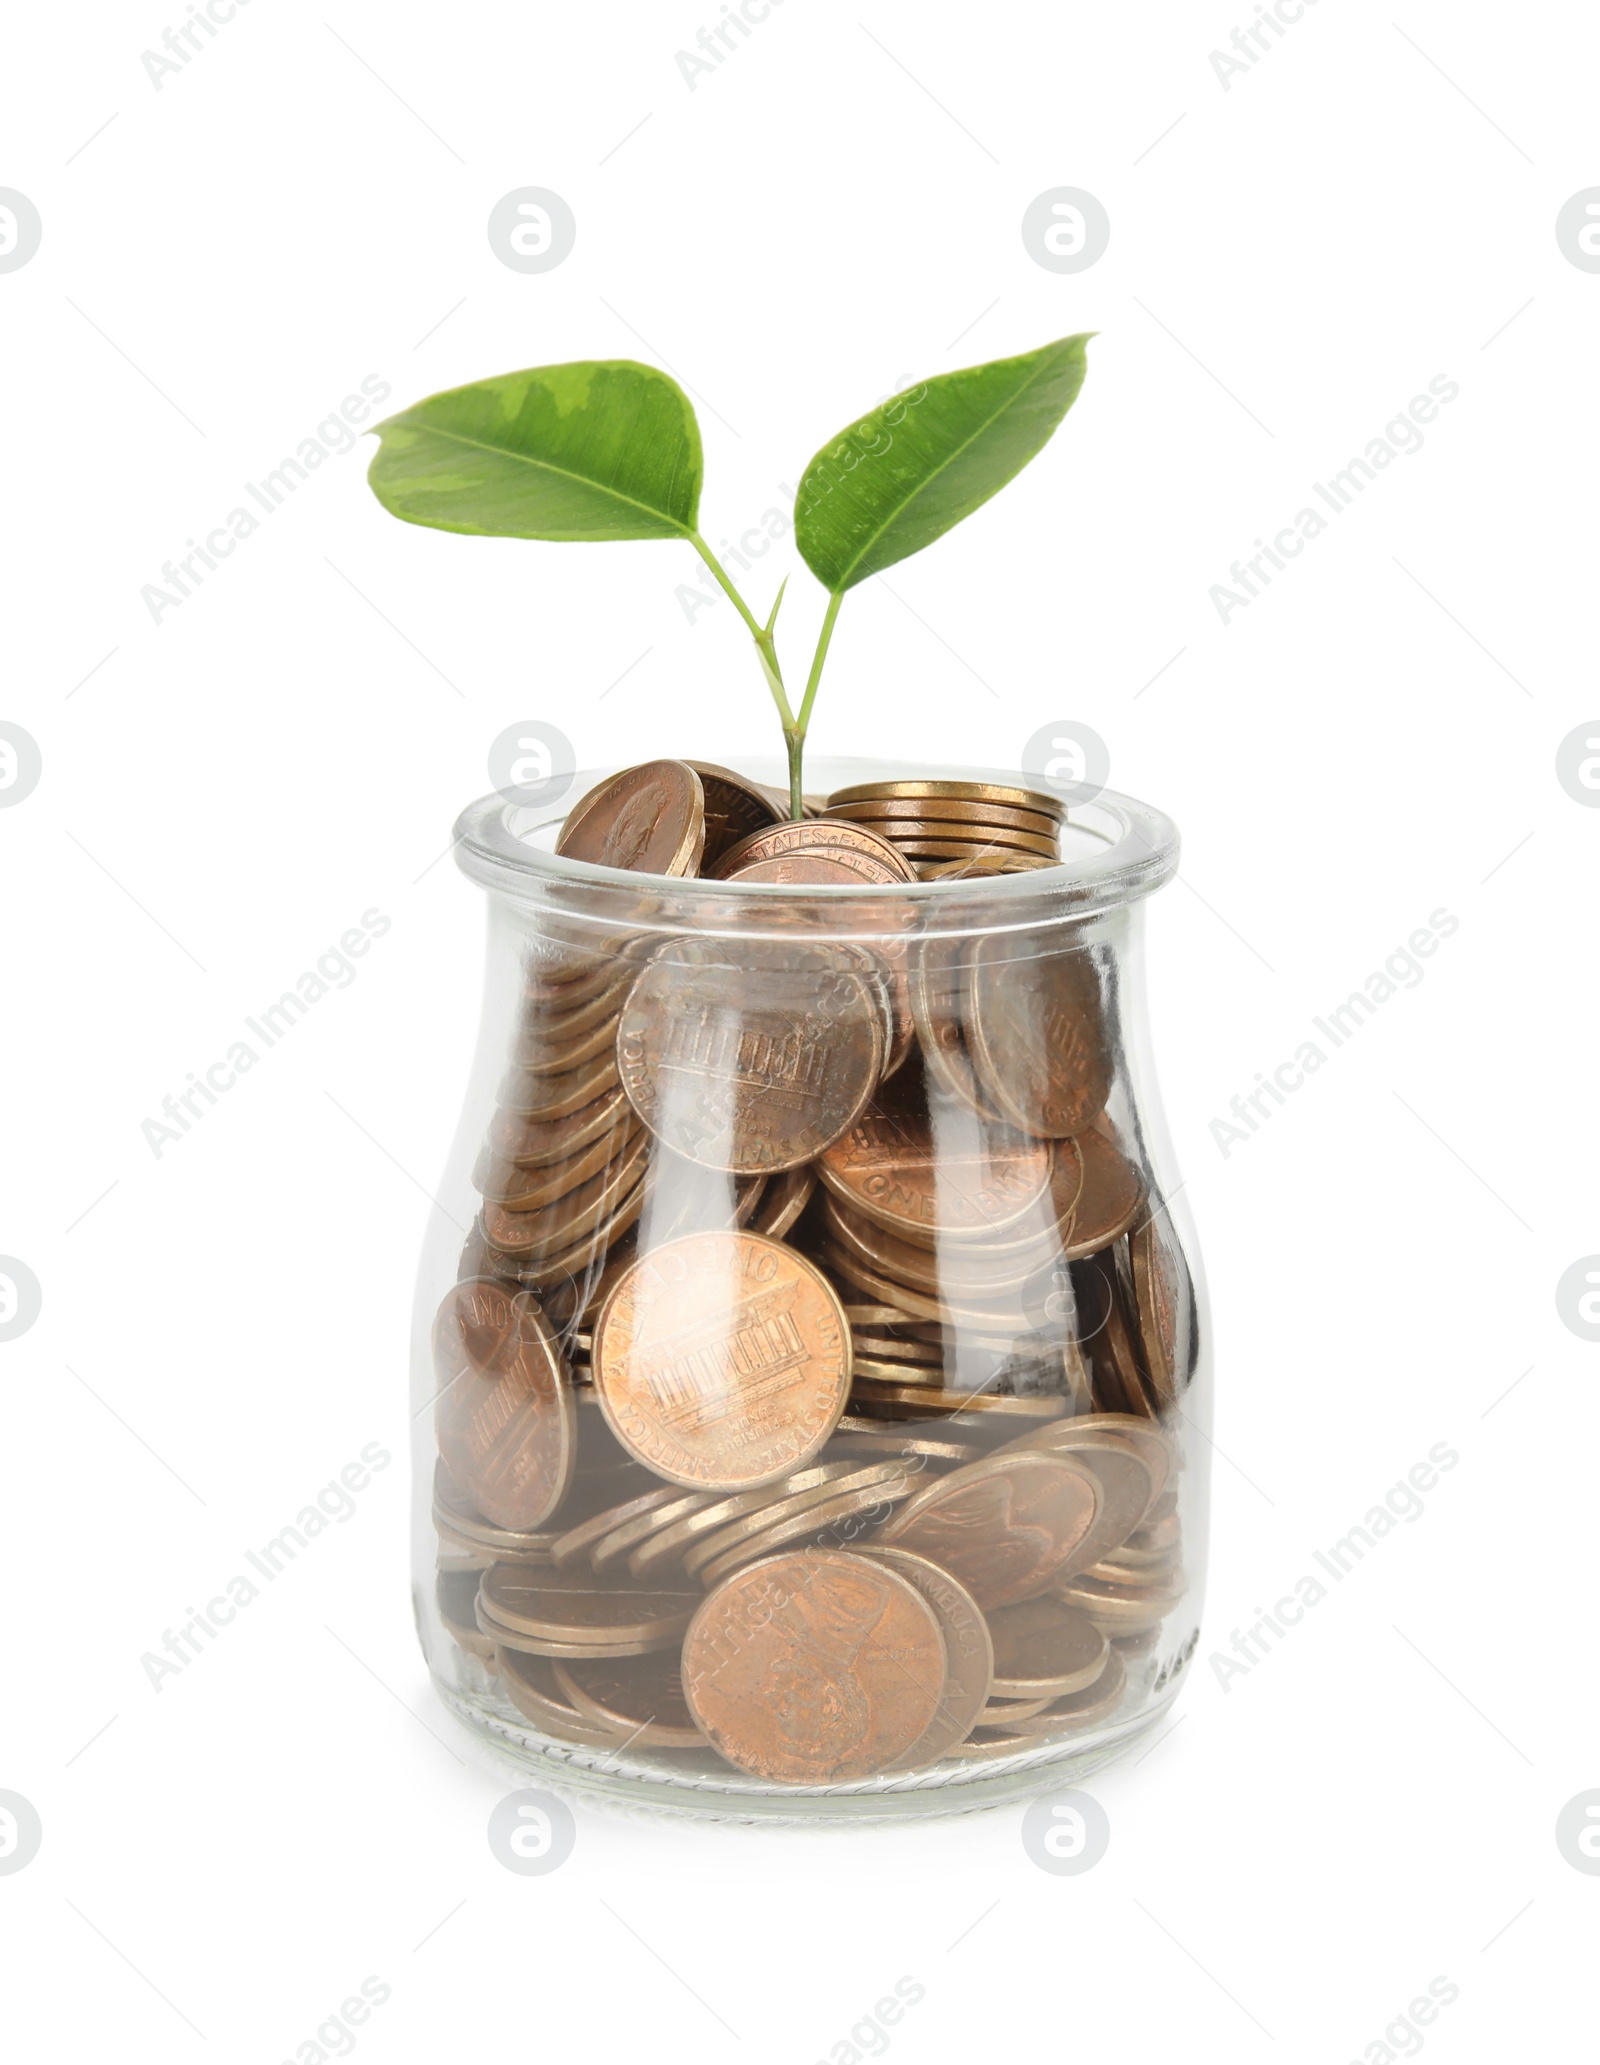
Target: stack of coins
pixel 958 828
pixel 805 1397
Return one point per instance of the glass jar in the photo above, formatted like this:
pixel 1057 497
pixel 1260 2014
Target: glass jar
pixel 813 1423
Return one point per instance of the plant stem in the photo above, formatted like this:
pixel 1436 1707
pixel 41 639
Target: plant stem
pixel 766 652
pixel 797 739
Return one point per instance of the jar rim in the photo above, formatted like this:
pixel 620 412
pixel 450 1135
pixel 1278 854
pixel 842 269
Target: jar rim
pixel 1116 850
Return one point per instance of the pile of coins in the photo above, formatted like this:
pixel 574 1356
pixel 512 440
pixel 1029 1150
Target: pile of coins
pixel 806 1399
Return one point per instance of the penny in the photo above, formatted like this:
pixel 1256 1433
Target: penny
pixel 1123 1474
pixel 575 1544
pixel 575 1606
pixel 867 1480
pixel 937 981
pixel 669 1544
pixel 864 1444
pixel 1147 1441
pixel 722 1360
pixel 1162 1306
pixel 893 1372
pixel 687 1197
pixel 968 1655
pixel 567 1219
pixel 650 819
pixel 928 1398
pixel 840 1522
pixel 1110 1199
pixel 557 1097
pixel 861 855
pixel 1124 1608
pixel 980 864
pixel 539 1052
pixel 517 1189
pixel 755 1063
pixel 734 808
pixel 1097 1702
pixel 1116 1365
pixel 639 1698
pixel 1044 1650
pixel 784 1199
pixel 534 1143
pixel 1006 1713
pixel 530 1684
pixel 934 842
pixel 953 791
pixel 892 1166
pixel 557 1018
pixel 1035 1035
pixel 584 1259
pixel 613 1548
pixel 895 810
pixel 455 1593
pixel 814 1667
pixel 1005 1527
pixel 504 1415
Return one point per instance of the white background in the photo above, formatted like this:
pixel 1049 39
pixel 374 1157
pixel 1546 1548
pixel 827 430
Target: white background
pixel 833 212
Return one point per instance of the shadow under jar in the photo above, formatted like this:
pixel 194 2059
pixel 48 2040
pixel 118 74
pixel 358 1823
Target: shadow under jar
pixel 813 1424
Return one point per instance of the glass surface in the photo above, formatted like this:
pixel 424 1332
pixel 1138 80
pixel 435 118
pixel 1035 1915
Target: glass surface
pixel 788 1207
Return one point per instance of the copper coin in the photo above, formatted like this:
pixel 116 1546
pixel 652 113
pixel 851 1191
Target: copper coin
pixel 504 1415
pixel 722 1360
pixel 588 1257
pixel 938 984
pixel 650 819
pixel 557 1097
pixel 1119 1387
pixel 782 1202
pixel 871 1444
pixel 991 862
pixel 861 855
pixel 891 811
pixel 574 1545
pixel 754 1064
pixel 1123 1475
pixel 1001 793
pixel 1036 1037
pixel 530 1190
pixel 567 1219
pixel 734 809
pixel 454 1593
pixel 1159 1292
pixel 891 1166
pixel 555 1018
pixel 535 1143
pixel 1110 1199
pixel 1147 1442
pixel 928 841
pixel 639 1698
pixel 1044 1650
pixel 614 1548
pixel 1096 1702
pixel 1126 1609
pixel 669 1544
pixel 814 1667
pixel 836 1496
pixel 1006 1526
pixel 919 1399
pixel 539 1052
pixel 576 1607
pixel 529 1682
pixel 968 1655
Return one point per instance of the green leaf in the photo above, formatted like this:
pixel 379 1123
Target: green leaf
pixel 600 449
pixel 909 471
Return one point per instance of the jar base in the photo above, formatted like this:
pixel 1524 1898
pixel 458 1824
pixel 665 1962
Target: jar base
pixel 696 1785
